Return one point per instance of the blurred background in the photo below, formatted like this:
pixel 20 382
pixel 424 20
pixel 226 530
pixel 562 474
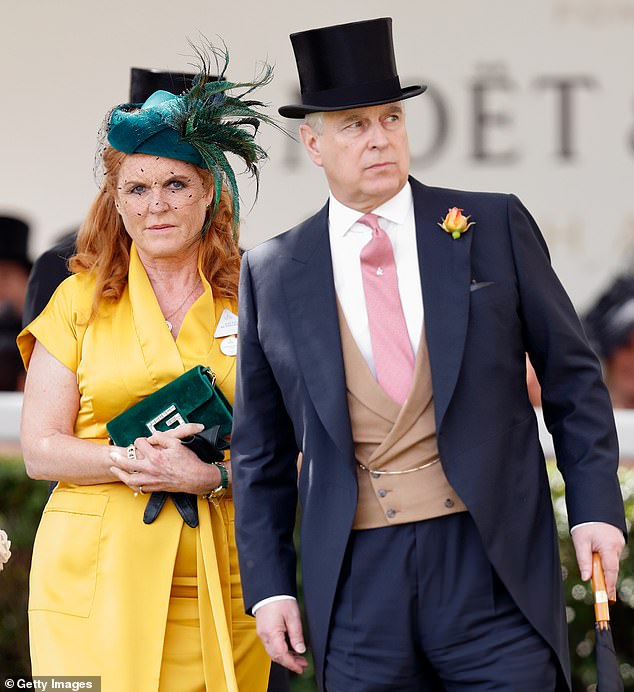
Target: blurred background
pixel 532 98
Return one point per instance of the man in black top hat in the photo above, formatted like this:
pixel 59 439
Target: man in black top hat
pixel 14 271
pixel 429 554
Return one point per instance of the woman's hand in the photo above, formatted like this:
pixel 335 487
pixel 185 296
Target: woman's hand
pixel 163 463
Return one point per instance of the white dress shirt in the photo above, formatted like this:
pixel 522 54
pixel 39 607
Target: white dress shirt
pixel 348 238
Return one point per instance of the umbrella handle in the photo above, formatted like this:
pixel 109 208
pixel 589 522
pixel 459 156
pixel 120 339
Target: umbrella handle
pixel 601 610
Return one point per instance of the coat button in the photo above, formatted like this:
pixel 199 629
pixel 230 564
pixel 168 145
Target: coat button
pixel 382 492
pixel 374 474
pixel 390 514
pixel 449 502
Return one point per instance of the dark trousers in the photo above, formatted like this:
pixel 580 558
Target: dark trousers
pixel 419 608
pixel 278 679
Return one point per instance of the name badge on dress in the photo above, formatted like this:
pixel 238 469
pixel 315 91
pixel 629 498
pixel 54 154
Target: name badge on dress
pixel 229 346
pixel 227 324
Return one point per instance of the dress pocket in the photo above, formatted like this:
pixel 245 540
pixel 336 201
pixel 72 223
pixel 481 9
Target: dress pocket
pixel 66 553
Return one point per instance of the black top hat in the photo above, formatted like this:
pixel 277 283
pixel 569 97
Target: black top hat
pixel 14 237
pixel 345 66
pixel 143 83
pixel 609 324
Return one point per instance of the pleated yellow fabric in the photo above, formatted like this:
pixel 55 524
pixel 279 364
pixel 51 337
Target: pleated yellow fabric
pixel 101 599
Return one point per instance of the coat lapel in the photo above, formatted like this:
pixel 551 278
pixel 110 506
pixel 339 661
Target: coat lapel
pixel 310 294
pixel 445 266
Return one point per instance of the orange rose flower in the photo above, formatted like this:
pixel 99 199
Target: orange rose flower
pixel 456 223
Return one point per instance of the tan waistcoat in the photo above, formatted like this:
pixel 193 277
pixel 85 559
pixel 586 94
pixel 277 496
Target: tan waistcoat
pixel 388 437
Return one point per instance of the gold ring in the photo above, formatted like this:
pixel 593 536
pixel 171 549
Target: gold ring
pixel 141 490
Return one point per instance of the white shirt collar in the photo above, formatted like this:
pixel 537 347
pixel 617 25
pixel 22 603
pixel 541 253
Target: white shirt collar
pixel 396 209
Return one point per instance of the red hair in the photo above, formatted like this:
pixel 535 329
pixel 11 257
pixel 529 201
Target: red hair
pixel 103 245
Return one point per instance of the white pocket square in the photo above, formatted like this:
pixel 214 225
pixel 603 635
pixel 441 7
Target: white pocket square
pixel 477 285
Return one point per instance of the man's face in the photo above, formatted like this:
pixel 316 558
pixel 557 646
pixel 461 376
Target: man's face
pixel 13 279
pixel 364 153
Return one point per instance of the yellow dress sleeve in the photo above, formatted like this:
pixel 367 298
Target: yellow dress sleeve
pixel 61 325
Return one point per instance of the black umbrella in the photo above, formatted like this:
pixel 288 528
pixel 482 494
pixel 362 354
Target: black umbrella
pixel 608 677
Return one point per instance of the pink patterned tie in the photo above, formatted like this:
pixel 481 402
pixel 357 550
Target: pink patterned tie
pixel 391 347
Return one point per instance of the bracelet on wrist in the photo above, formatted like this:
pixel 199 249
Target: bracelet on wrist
pixel 218 491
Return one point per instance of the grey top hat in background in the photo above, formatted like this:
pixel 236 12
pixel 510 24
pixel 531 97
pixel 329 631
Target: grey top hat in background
pixel 347 66
pixel 14 241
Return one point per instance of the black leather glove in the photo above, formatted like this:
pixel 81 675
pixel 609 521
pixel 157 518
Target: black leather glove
pixel 208 447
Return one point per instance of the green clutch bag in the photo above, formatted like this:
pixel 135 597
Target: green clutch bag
pixel 190 398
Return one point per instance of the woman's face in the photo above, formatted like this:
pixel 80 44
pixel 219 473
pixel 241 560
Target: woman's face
pixel 162 203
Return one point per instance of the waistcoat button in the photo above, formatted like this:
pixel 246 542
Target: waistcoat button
pixel 390 514
pixel 449 502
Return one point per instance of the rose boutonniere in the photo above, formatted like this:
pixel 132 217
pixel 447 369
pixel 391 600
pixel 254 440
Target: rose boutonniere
pixel 5 553
pixel 456 223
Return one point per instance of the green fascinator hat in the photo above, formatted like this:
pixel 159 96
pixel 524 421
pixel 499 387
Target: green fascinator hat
pixel 145 129
pixel 200 126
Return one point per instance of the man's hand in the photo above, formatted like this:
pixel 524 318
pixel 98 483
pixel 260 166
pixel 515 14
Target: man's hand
pixel 604 539
pixel 277 624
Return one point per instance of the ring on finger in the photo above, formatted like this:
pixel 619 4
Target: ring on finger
pixel 141 490
pixel 131 454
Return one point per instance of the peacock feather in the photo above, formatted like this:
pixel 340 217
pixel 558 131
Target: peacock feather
pixel 216 122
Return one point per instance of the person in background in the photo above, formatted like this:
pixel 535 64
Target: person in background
pixel 149 607
pixel 385 339
pixel 14 272
pixel 610 328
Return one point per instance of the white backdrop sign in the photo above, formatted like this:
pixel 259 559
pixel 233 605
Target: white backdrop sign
pixel 534 98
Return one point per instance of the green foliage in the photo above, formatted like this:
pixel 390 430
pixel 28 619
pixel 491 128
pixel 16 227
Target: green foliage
pixel 21 503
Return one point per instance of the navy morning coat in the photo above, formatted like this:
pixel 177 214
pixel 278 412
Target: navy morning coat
pixel 489 297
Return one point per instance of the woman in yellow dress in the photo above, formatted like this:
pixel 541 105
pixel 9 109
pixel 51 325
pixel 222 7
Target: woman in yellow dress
pixel 147 607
